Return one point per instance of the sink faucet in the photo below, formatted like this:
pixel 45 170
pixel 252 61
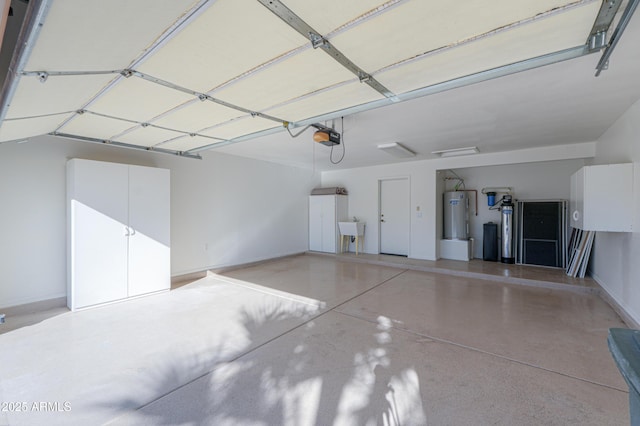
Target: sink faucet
pixel 355 219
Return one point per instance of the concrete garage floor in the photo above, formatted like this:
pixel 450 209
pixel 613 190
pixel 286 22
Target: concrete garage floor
pixel 324 340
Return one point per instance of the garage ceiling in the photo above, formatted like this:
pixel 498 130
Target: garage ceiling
pixel 184 76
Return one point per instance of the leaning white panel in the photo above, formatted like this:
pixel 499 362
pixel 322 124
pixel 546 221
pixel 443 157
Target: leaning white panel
pixel 27 128
pixel 139 100
pixel 222 43
pixel 338 98
pixel 552 34
pixel 197 115
pixel 147 136
pixel 57 94
pixel 83 35
pixel 187 143
pixel 95 126
pixel 298 75
pixel 241 127
pixel 331 14
pixel 416 27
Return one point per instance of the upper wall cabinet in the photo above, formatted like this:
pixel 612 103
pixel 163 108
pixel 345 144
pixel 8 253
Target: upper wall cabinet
pixel 602 198
pixel 118 232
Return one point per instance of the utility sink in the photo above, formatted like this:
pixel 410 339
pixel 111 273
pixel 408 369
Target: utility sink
pixel 353 229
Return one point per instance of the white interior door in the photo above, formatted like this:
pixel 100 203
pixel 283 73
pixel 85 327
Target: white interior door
pixel 98 232
pixel 394 216
pixel 149 223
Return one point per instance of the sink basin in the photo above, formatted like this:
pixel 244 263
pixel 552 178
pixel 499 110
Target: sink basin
pixel 351 228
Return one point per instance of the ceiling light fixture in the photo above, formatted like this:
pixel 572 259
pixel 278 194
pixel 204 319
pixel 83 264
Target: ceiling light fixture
pixel 456 151
pixel 397 150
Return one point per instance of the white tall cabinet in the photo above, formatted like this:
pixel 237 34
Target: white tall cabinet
pixel 325 211
pixel 118 232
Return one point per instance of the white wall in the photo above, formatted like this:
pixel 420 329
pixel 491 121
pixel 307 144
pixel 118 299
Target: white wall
pixel 426 189
pixel 362 184
pixel 615 259
pixel 548 180
pixel 225 210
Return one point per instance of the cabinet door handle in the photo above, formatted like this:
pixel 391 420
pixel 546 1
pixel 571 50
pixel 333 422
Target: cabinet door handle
pixel 133 232
pixel 576 215
pixel 126 231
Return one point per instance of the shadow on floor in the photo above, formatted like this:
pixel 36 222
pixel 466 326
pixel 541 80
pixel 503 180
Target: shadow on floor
pixel 297 378
pixel 30 314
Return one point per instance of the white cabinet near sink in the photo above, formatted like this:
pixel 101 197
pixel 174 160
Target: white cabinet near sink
pixel 118 232
pixel 325 211
pixel 602 198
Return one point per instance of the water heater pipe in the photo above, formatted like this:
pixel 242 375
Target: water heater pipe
pixel 476 197
pixel 494 191
pixel 502 190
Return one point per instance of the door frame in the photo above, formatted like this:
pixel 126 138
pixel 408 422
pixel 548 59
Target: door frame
pixel 406 178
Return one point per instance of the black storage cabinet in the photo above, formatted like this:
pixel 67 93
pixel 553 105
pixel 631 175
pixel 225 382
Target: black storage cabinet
pixel 490 241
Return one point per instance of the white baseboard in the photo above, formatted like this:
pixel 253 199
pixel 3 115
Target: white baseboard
pixel 628 319
pixel 201 273
pixel 33 307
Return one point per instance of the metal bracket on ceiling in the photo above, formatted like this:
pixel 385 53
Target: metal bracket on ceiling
pixel 598 36
pixel 298 24
pixel 603 64
pixel 364 77
pixel 597 41
pixel 317 40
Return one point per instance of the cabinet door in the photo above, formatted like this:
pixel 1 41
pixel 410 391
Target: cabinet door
pixel 608 197
pixel 576 200
pixel 322 223
pixel 329 224
pixel 315 223
pixel 149 221
pixel 98 209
